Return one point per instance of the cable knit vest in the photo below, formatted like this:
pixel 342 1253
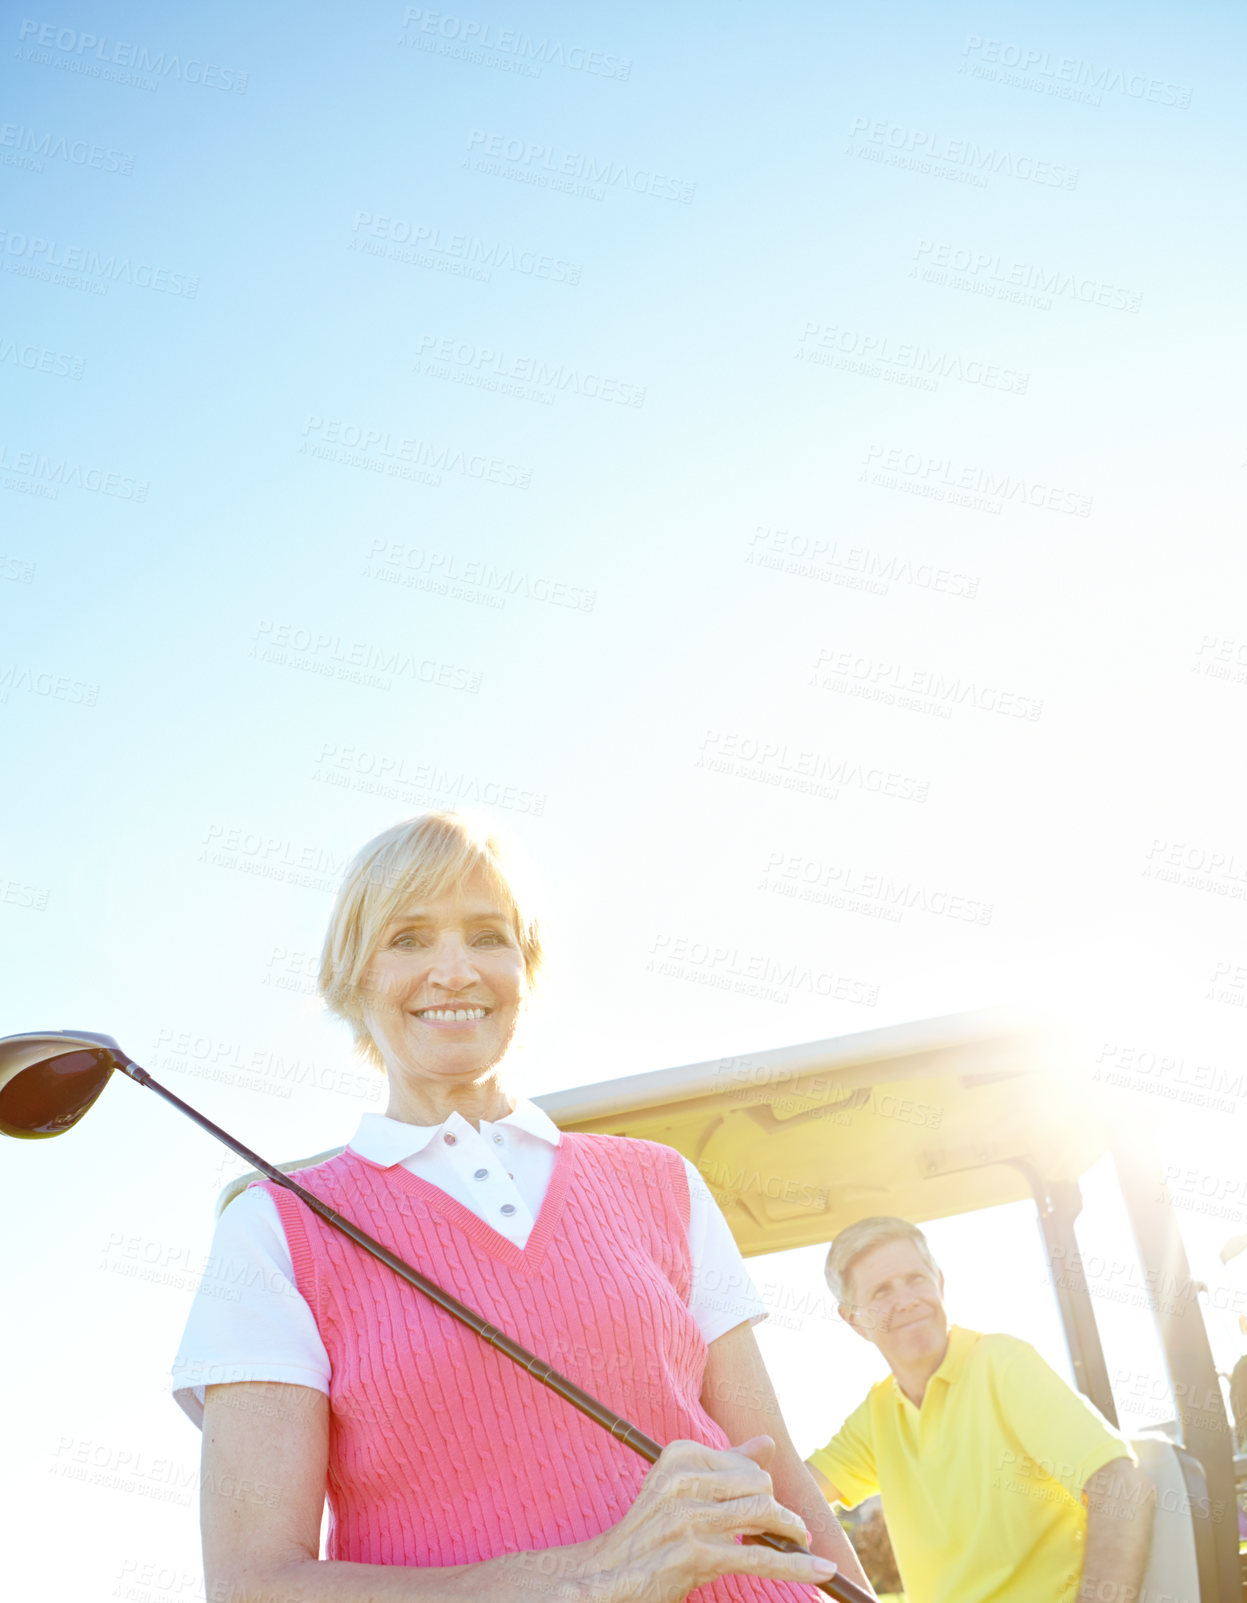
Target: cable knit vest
pixel 441 1451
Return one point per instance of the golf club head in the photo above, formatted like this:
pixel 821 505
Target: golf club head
pixel 48 1080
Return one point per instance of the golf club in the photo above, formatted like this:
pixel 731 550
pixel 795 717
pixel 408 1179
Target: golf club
pixel 50 1079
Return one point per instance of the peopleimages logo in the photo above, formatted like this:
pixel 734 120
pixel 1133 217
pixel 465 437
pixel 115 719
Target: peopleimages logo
pixel 754 974
pixel 473 579
pixel 468 38
pixel 339 439
pixel 425 244
pixel 988 273
pixel 546 166
pixel 857 567
pixel 920 688
pixel 355 661
pixel 526 376
pixel 886 464
pixel 60 687
pixel 45 254
pixel 1064 76
pixel 897 145
pixel 813 773
pixel 398 777
pixel 38 359
pixel 877 895
pixel 52 474
pixel 88 53
pixel 828 342
pixel 41 147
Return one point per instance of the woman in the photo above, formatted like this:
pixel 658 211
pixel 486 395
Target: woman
pixel 450 1473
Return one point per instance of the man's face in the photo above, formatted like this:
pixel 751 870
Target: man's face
pixel 897 1303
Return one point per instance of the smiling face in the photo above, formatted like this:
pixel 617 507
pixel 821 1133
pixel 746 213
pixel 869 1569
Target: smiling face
pixel 442 993
pixel 897 1303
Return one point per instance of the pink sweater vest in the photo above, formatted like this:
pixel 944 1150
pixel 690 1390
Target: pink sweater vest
pixel 443 1452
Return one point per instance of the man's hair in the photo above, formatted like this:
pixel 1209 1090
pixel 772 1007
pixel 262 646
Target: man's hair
pixel 858 1238
pixel 421 857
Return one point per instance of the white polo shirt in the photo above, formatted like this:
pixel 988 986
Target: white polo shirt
pixel 249 1322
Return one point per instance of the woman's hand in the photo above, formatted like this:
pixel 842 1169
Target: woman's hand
pixel 681 1531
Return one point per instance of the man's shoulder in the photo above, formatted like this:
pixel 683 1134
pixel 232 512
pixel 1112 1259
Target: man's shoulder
pixel 882 1392
pixel 999 1344
pixel 995 1350
pixel 1005 1367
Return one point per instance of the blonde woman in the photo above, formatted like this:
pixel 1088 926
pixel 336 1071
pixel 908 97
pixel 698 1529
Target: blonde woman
pixel 451 1474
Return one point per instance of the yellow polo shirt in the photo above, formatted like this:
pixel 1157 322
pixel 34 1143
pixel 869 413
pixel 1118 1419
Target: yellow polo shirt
pixel 982 1485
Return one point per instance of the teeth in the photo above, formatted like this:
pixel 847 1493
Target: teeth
pixel 453 1015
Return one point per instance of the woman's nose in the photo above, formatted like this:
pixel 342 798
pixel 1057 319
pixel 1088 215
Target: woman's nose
pixel 452 965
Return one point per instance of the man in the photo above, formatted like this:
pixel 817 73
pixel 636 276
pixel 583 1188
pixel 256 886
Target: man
pixel 983 1455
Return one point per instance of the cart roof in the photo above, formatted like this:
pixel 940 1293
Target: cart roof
pixel 927 1119
pixel 924 1120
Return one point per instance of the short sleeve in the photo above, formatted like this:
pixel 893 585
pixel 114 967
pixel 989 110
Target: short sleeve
pixel 722 1294
pixel 848 1460
pixel 248 1320
pixel 1055 1426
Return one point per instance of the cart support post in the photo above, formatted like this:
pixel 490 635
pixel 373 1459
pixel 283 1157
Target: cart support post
pixel 1059 1203
pixel 1188 1357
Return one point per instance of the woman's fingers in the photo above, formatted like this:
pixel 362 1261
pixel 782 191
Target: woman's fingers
pixel 759 1448
pixel 706 1486
pixel 687 1469
pixel 723 1490
pixel 803 1568
pixel 751 1516
pixel 694 1505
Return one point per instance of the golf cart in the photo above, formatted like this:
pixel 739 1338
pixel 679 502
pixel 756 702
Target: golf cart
pixel 939 1118
pixel 925 1120
pixel 946 1117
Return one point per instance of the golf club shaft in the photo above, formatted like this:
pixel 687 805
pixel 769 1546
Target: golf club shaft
pixel 620 1428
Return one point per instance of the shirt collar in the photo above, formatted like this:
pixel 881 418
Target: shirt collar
pixel 390 1141
pixel 960 1345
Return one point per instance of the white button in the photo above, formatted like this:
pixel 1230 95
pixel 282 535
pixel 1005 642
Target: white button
pixel 508 1208
pixel 498 1140
pixel 483 1174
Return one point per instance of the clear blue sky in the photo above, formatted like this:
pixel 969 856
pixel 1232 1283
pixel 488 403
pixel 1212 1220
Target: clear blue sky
pixel 751 449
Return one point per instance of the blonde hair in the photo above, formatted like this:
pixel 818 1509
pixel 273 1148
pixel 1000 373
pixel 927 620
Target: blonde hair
pixel 423 857
pixel 855 1239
